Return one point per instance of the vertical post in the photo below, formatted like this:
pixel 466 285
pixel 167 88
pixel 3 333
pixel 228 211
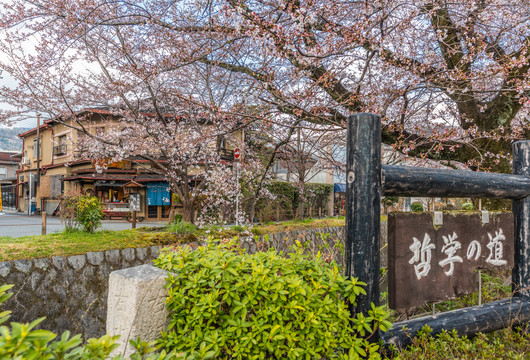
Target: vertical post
pixel 237 195
pixel 521 216
pixel 134 219
pixel 30 184
pixel 363 201
pixel 37 180
pixel 43 229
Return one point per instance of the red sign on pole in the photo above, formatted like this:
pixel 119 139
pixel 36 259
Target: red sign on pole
pixel 237 154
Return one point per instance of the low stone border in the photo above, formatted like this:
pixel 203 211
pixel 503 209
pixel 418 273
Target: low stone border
pixel 71 292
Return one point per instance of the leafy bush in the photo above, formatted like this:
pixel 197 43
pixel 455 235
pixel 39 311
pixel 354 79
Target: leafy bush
pixel 88 213
pixel 238 228
pixel 390 200
pixel 416 207
pixel 225 303
pixel 23 341
pixel 467 206
pixel 182 227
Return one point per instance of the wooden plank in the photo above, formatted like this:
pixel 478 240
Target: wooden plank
pixel 521 212
pixel 413 181
pixel 428 263
pixel 485 318
pixel 363 197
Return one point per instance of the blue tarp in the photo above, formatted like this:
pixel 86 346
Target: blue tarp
pixel 339 188
pixel 158 193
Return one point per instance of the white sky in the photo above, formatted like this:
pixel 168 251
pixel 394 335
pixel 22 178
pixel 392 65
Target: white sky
pixel 6 79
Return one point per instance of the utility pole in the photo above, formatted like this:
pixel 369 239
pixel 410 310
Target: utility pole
pixel 30 180
pixel 37 180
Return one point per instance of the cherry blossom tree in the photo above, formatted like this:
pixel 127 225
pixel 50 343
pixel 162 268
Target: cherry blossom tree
pixel 450 79
pixel 184 149
pixel 308 156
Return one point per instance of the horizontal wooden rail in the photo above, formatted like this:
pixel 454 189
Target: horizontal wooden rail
pixel 414 181
pixel 486 318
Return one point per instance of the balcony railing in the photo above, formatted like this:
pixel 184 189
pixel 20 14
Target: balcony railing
pixel 59 149
pixel 226 154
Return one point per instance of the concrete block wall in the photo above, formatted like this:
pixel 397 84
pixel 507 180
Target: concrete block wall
pixel 71 292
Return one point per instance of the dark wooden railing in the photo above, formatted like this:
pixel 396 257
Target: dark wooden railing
pixel 226 154
pixel 60 149
pixel 367 180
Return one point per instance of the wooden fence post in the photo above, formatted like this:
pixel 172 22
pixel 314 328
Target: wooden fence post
pixel 521 216
pixel 43 226
pixel 363 199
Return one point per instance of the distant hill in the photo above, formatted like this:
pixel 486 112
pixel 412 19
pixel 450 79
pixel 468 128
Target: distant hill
pixel 9 139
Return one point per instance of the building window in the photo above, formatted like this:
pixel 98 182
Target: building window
pixel 35 150
pixel 3 172
pixel 60 147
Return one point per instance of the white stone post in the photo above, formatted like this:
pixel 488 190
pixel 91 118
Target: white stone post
pixel 136 306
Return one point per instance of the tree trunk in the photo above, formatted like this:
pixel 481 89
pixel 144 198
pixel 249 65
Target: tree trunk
pixel 300 207
pixel 252 210
pixel 188 212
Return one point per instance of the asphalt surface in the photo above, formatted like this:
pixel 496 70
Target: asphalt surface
pixel 17 224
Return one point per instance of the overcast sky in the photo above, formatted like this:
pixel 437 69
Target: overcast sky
pixel 5 79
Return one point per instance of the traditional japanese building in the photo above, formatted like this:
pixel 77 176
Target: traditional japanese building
pixel 63 171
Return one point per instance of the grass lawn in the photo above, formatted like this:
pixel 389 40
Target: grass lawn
pixel 66 244
pixel 74 243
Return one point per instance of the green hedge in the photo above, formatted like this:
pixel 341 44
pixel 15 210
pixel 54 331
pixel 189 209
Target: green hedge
pixel 286 199
pixel 227 304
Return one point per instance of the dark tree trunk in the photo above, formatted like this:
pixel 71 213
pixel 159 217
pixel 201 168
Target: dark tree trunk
pixel 188 212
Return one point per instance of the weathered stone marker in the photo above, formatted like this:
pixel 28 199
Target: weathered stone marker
pixel 136 305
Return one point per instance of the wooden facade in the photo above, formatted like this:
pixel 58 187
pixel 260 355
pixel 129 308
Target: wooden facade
pixel 63 171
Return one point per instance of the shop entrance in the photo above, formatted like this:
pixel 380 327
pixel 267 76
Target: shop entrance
pixel 158 200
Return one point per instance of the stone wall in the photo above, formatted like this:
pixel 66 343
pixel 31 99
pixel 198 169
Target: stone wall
pixel 71 292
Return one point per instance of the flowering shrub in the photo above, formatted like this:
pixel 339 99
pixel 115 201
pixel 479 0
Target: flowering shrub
pixel 227 304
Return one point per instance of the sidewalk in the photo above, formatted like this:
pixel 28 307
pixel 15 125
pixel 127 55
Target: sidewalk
pixel 18 224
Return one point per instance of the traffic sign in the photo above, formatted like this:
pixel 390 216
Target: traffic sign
pixel 237 154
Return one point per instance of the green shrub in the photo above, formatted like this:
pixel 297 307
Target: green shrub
pixel 182 227
pixel 416 207
pixel 238 228
pixel 390 200
pixel 257 231
pixel 178 217
pixel 22 341
pixel 467 206
pixel 88 213
pixel 225 303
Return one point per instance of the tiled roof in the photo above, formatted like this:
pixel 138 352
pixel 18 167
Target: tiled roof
pixel 7 156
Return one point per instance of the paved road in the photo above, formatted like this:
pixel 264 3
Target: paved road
pixel 18 224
